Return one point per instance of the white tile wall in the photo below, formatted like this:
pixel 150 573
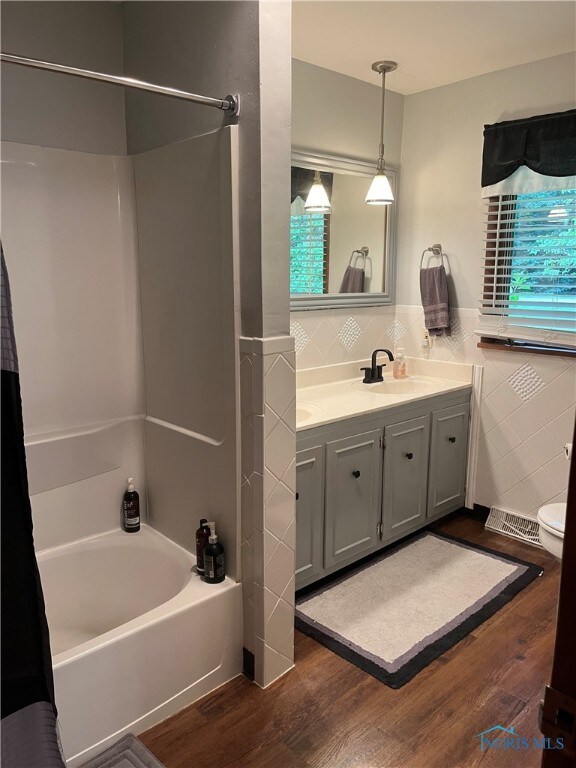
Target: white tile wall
pixel 528 401
pixel 268 507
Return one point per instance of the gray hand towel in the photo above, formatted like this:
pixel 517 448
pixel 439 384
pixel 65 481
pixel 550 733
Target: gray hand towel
pixel 434 293
pixel 353 280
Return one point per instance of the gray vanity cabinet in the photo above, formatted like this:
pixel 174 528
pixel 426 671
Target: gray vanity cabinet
pixel 352 510
pixel 448 456
pixel 367 481
pixel 405 477
pixel 309 517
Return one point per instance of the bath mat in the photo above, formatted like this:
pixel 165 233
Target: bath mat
pixel 394 615
pixel 129 752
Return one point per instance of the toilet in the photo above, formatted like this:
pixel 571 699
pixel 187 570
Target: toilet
pixel 552 520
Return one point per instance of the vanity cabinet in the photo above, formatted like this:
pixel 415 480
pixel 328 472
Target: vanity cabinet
pixel 309 517
pixel 366 481
pixel 352 510
pixel 405 478
pixel 448 453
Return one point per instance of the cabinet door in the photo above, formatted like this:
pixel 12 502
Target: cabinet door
pixel 405 475
pixel 448 454
pixel 353 467
pixel 309 513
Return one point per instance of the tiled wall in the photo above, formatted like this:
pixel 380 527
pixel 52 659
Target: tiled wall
pixel 267 370
pixel 528 401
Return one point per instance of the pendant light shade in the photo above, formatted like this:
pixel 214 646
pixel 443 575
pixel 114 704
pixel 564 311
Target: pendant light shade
pixel 317 200
pixel 380 192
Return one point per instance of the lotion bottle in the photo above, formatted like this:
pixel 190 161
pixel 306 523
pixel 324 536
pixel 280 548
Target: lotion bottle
pixel 214 568
pixel 399 366
pixel 131 508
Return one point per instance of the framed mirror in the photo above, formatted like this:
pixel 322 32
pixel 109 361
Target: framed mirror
pixel 345 257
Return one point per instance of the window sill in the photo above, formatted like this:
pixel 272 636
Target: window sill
pixel 533 350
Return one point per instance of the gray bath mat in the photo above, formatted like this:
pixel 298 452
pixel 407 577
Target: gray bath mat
pixel 394 615
pixel 129 752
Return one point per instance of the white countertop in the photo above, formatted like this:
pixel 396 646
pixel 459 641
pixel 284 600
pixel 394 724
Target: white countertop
pixel 330 393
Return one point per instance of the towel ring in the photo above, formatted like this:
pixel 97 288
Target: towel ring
pixel 360 253
pixel 435 250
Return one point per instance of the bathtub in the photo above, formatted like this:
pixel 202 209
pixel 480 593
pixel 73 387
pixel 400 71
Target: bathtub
pixel 135 633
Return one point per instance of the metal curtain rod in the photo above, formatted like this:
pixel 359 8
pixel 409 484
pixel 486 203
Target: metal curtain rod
pixel 229 103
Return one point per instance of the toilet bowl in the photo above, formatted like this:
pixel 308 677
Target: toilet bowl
pixel 552 519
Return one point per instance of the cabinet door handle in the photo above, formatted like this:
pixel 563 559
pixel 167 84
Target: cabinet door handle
pixel 356 473
pixel 297 495
pixel 409 455
pixel 452 439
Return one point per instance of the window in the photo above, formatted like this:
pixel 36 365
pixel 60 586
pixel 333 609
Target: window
pixel 529 183
pixel 309 238
pixel 530 268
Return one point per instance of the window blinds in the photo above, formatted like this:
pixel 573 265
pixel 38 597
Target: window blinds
pixel 529 290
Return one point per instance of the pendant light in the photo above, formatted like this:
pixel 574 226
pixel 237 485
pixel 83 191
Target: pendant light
pixel 380 192
pixel 317 200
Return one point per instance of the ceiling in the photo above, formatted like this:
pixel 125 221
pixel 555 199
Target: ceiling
pixel 434 42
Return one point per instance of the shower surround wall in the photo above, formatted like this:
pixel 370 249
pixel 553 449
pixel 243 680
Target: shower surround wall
pixel 528 401
pixel 68 235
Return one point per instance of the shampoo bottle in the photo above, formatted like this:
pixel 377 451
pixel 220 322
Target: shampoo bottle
pixel 202 535
pixel 213 558
pixel 399 367
pixel 131 508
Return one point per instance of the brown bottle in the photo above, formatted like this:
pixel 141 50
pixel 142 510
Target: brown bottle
pixel 202 535
pixel 131 509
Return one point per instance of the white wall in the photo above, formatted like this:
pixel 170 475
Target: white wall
pixel 333 114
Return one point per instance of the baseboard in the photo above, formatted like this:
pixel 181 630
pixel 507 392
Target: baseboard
pixel 479 513
pixel 248 664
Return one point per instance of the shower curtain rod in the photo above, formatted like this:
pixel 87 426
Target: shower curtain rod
pixel 229 103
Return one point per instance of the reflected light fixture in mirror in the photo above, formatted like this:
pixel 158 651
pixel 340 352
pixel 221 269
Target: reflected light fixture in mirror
pixel 317 200
pixel 380 192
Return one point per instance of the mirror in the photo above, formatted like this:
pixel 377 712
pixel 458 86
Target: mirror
pixel 345 257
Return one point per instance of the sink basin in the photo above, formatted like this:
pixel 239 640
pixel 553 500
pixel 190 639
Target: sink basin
pixel 409 386
pixel 306 411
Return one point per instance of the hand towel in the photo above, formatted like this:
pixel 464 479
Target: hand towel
pixel 353 280
pixel 434 293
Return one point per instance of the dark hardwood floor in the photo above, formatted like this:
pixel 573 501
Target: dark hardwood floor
pixel 327 713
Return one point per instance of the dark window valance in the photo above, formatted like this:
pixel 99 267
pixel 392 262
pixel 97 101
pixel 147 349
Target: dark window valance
pixel 545 143
pixel 302 180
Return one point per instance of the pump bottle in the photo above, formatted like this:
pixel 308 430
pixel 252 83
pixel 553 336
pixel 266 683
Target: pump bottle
pixel 131 508
pixel 214 567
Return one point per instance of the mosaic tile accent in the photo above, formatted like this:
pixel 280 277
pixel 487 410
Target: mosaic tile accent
pixel 301 338
pixel 396 330
pixel 526 382
pixel 350 333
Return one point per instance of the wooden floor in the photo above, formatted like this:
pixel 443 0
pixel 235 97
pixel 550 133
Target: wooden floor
pixel 327 713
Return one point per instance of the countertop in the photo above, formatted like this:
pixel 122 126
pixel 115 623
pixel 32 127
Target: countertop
pixel 331 393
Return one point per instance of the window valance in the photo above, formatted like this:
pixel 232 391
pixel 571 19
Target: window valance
pixel 545 144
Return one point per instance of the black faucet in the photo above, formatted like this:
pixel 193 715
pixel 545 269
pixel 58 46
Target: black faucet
pixel 374 374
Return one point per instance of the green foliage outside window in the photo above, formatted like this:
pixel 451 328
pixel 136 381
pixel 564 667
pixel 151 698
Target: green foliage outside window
pixel 307 253
pixel 545 230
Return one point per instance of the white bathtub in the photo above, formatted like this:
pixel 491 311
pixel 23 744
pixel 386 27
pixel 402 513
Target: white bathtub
pixel 136 635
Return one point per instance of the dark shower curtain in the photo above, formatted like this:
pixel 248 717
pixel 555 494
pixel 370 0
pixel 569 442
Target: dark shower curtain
pixel 28 730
